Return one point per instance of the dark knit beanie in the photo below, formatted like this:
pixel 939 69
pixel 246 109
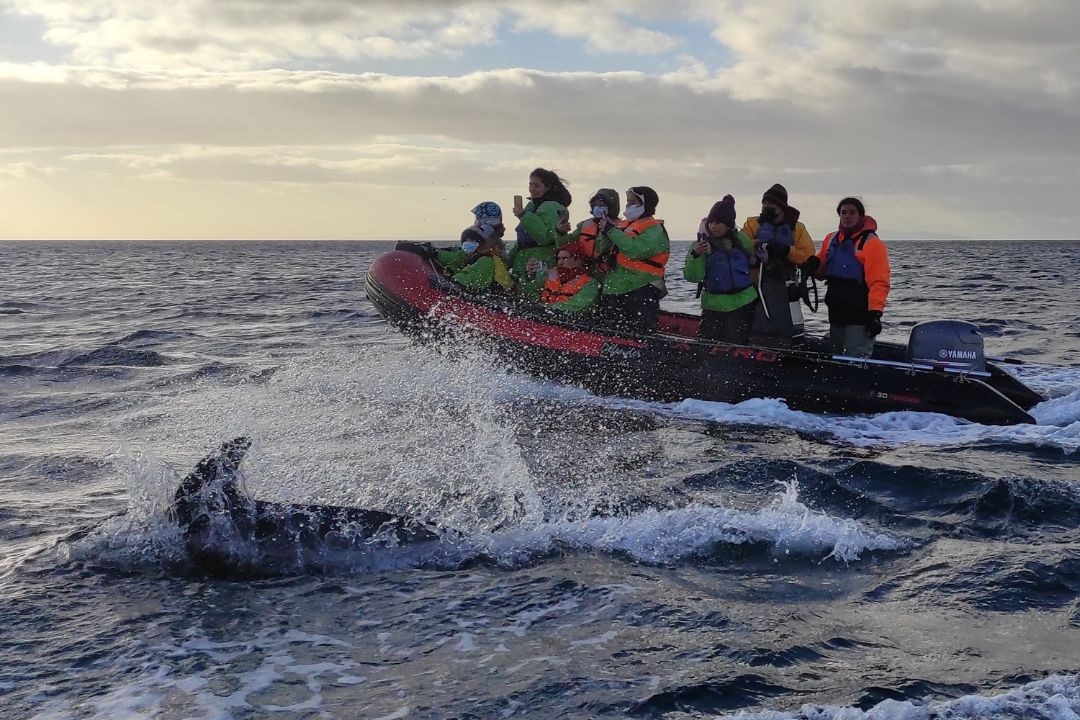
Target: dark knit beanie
pixel 777 193
pixel 851 201
pixel 648 196
pixel 473 233
pixel 723 211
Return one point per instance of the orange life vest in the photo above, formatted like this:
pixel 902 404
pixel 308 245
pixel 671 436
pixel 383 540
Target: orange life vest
pixel 556 292
pixel 587 240
pixel 653 265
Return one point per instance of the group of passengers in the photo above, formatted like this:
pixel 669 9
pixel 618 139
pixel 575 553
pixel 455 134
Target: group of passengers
pixel 614 266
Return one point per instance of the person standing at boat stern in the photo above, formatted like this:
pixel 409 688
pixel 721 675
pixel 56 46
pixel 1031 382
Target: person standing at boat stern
pixel 855 264
pixel 720 262
pixel 777 232
pixel 633 287
pixel 539 220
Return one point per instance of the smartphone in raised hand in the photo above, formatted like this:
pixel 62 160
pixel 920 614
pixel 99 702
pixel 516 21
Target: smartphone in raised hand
pixel 518 206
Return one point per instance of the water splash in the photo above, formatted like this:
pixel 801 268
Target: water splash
pixel 1057 697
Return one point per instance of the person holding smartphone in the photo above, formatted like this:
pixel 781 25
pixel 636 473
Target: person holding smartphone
pixel 635 284
pixel 594 246
pixel 720 262
pixel 779 235
pixel 538 224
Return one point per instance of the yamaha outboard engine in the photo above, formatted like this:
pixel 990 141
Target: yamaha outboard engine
pixel 947 343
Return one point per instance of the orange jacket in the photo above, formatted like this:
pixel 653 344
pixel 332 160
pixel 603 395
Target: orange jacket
pixel 557 291
pixel 874 257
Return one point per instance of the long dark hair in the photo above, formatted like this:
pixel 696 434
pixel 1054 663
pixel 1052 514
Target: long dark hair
pixel 556 187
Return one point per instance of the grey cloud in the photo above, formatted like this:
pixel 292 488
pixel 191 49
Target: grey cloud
pixel 890 116
pixel 900 138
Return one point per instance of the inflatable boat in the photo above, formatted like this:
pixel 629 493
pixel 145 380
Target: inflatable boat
pixel 942 368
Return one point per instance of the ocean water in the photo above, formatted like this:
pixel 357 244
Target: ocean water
pixel 617 558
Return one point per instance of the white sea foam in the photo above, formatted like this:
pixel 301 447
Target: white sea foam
pixel 1054 698
pixel 669 536
pixel 1058 418
pixel 1053 381
pixel 899 428
pixel 272 663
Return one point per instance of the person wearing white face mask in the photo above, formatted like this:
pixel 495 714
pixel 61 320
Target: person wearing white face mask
pixel 640 245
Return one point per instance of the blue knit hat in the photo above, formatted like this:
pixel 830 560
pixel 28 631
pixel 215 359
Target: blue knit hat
pixel 487 213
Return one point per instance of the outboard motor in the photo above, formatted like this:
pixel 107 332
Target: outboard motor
pixel 947 343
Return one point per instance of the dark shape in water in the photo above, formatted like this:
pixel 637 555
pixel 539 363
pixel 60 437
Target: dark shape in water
pixel 229 533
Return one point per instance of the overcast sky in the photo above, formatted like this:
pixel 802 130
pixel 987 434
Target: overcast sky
pixel 382 120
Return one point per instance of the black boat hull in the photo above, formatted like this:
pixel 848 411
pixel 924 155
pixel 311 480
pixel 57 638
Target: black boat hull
pixel 672 365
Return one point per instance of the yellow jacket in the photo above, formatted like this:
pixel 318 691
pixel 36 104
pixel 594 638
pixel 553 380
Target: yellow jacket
pixel 800 251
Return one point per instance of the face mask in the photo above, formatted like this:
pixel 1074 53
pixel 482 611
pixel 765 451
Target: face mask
pixel 634 212
pixel 599 211
pixel 767 215
pixel 470 246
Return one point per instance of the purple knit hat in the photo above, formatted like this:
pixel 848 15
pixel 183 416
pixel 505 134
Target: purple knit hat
pixel 723 211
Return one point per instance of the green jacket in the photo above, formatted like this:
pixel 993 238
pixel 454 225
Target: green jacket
pixel 483 273
pixel 652 241
pixel 453 259
pixel 695 269
pixel 540 224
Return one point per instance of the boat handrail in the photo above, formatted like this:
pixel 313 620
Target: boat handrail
pixel 908 365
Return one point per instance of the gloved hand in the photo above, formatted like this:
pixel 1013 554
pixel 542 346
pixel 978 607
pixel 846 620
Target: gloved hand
pixel 811 266
pixel 873 323
pixel 776 250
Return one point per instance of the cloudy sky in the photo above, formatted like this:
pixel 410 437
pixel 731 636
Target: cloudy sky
pixel 382 120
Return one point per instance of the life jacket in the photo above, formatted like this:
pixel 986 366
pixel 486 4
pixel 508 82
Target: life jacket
pixel 556 291
pixel 727 271
pixel 840 260
pixel 653 265
pixel 587 240
pixel 779 234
